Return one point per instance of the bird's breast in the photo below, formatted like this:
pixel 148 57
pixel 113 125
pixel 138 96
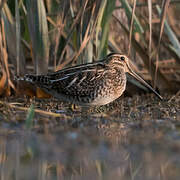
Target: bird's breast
pixel 111 89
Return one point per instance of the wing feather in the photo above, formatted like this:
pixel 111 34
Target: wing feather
pixel 79 81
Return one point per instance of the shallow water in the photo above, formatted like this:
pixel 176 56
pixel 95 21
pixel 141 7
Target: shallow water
pixel 136 138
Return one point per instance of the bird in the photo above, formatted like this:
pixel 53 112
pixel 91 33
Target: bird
pixel 91 84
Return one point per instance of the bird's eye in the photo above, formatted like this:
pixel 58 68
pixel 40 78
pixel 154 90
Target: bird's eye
pixel 122 58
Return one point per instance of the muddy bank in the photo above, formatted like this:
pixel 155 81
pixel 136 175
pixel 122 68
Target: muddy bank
pixel 132 138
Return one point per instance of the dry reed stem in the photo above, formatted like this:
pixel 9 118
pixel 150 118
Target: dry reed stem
pixel 11 105
pixel 163 18
pixel 174 96
pixel 131 27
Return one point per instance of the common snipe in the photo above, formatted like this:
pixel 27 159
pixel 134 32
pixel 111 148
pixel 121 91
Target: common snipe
pixel 96 83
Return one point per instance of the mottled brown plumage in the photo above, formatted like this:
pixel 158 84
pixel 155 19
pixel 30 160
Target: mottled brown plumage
pixel 90 84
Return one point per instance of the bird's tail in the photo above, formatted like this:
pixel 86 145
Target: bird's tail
pixel 30 78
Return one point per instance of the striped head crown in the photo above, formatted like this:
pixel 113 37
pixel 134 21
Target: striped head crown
pixel 118 60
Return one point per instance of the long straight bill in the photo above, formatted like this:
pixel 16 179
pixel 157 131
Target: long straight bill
pixel 132 73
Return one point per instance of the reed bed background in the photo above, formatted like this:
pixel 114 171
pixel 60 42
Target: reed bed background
pixel 48 35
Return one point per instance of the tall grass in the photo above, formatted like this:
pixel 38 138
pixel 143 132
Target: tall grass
pixel 41 36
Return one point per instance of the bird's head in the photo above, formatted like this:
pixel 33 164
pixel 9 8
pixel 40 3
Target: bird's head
pixel 122 61
pixel 118 60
